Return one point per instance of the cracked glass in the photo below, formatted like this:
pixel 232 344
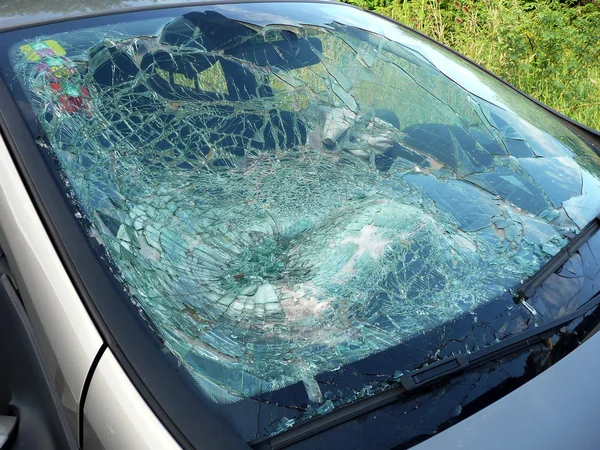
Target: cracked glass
pixel 287 190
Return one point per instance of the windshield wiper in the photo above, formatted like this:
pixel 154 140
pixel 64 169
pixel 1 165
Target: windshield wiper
pixel 421 379
pixel 451 366
pixel 557 261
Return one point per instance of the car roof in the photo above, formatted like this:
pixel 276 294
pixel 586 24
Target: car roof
pixel 32 12
pixel 36 12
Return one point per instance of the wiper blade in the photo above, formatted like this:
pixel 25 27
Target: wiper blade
pixel 531 284
pixel 421 379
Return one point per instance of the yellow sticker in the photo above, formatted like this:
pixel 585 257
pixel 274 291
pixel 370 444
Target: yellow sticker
pixel 55 46
pixel 178 78
pixel 181 80
pixel 60 72
pixel 43 49
pixel 29 53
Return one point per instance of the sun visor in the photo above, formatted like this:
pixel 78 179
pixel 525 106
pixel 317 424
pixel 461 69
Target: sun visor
pixel 287 54
pixel 209 30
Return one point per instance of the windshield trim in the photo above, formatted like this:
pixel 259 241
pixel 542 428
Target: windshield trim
pixel 175 401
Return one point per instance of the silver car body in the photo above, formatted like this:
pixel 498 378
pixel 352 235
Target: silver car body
pixel 116 416
pixel 68 336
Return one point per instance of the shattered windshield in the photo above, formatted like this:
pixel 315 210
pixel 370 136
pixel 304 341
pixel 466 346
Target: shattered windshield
pixel 285 189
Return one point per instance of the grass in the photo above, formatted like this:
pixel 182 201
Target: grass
pixel 548 49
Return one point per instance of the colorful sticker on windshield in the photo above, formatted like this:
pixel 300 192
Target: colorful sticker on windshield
pixel 59 73
pixel 43 49
pixel 56 67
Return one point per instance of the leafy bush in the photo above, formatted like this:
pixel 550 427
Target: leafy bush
pixel 549 49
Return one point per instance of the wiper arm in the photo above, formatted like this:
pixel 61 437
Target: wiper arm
pixel 421 379
pixel 556 262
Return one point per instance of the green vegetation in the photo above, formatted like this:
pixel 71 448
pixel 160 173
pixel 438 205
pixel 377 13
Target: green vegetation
pixel 548 49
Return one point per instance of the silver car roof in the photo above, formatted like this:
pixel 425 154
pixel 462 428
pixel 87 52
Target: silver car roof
pixel 25 13
pixel 18 13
